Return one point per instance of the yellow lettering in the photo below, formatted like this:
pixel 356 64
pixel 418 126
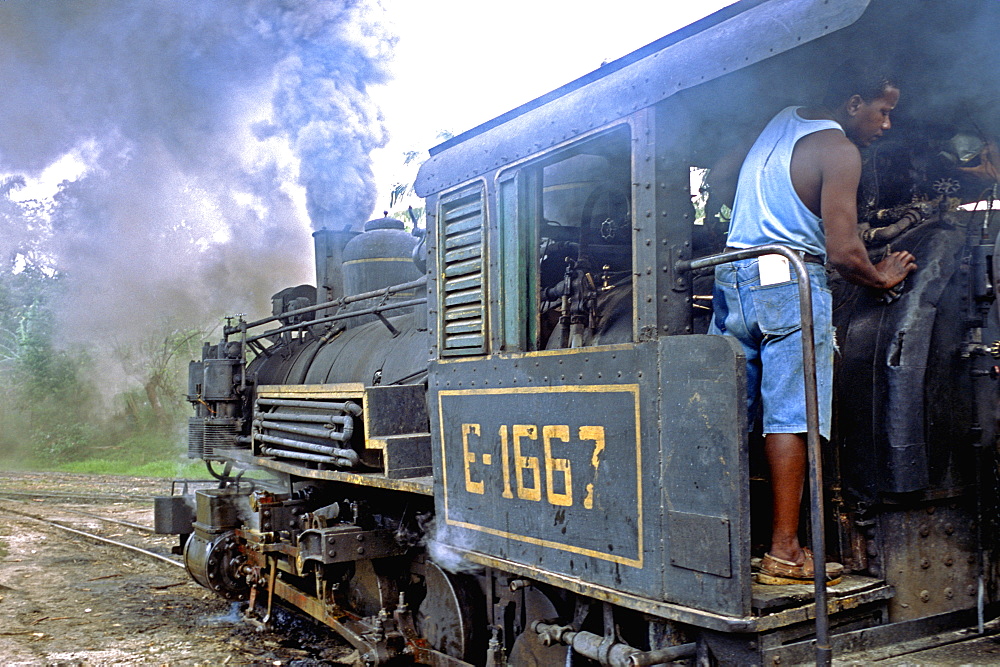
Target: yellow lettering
pixel 553 465
pixel 505 455
pixel 470 457
pixel 596 434
pixel 522 463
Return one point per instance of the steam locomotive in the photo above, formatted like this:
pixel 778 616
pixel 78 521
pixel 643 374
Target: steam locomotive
pixel 508 440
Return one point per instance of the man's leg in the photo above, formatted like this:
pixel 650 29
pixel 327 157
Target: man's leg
pixel 786 456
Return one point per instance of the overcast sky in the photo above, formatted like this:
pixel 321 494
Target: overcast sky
pixel 459 63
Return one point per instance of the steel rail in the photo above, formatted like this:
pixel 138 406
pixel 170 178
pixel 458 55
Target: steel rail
pixel 120 522
pixel 70 494
pixel 824 650
pixel 96 538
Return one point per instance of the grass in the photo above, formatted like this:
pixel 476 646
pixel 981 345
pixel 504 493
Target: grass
pixel 173 467
pixel 144 454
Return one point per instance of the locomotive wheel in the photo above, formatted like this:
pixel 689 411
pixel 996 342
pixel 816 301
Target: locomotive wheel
pixel 528 649
pixel 217 564
pixel 448 617
pixel 370 591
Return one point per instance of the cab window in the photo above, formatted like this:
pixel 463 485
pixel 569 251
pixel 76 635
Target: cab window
pixel 567 238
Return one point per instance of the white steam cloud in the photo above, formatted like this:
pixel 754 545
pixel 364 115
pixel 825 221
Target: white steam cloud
pixel 205 130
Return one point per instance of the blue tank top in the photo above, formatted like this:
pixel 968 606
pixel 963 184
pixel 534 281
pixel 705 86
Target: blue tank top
pixel 767 208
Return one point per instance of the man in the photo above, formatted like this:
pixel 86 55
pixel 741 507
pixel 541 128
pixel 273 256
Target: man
pixel 798 187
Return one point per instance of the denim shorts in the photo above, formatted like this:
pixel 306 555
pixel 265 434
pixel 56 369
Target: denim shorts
pixel 766 322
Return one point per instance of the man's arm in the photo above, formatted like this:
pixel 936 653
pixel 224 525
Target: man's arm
pixel 840 173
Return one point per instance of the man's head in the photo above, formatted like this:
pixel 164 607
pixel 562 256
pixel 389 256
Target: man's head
pixel 861 99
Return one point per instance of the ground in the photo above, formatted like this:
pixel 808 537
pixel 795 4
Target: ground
pixel 67 601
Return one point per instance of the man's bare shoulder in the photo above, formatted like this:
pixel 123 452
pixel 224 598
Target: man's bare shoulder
pixel 828 147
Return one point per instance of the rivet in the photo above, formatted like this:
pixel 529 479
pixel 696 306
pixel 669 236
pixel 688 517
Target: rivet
pixel 924 531
pixel 925 596
pixel 361 550
pixel 924 563
pixel 949 561
pixel 949 529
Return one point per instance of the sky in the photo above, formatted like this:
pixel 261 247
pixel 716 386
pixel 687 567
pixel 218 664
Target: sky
pixel 500 55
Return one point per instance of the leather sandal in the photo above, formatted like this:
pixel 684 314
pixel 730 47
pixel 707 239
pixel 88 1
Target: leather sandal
pixel 778 571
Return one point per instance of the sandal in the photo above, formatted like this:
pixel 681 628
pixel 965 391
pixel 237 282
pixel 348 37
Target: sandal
pixel 775 570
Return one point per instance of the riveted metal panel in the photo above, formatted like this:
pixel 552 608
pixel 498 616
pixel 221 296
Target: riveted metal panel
pixel 705 473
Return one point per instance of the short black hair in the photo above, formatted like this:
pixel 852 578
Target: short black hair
pixel 868 79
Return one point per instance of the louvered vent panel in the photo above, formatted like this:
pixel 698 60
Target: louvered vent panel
pixel 463 301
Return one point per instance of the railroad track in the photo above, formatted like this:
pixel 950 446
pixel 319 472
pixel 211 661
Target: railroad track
pixel 84 496
pixel 61 524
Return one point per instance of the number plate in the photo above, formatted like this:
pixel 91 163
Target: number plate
pixel 554 467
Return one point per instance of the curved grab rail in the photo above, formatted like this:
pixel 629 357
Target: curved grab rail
pixel 824 652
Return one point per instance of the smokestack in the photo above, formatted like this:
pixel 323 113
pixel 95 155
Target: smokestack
pixel 329 246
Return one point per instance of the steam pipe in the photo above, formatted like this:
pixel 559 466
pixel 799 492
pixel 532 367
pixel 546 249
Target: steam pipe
pixel 343 301
pixel 297 417
pixel 881 235
pixel 301 456
pixel 618 654
pixel 346 406
pixel 330 434
pixel 336 452
pixel 824 651
pixel 341 316
pixel 662 655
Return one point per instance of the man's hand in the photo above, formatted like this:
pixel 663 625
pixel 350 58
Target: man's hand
pixel 895 267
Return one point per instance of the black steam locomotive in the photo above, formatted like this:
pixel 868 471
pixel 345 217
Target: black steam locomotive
pixel 509 440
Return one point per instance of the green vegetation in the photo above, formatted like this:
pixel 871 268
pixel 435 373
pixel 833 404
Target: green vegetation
pixel 56 412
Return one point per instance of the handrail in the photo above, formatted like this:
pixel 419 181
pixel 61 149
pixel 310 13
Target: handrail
pixel 343 301
pixel 374 310
pixel 824 651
